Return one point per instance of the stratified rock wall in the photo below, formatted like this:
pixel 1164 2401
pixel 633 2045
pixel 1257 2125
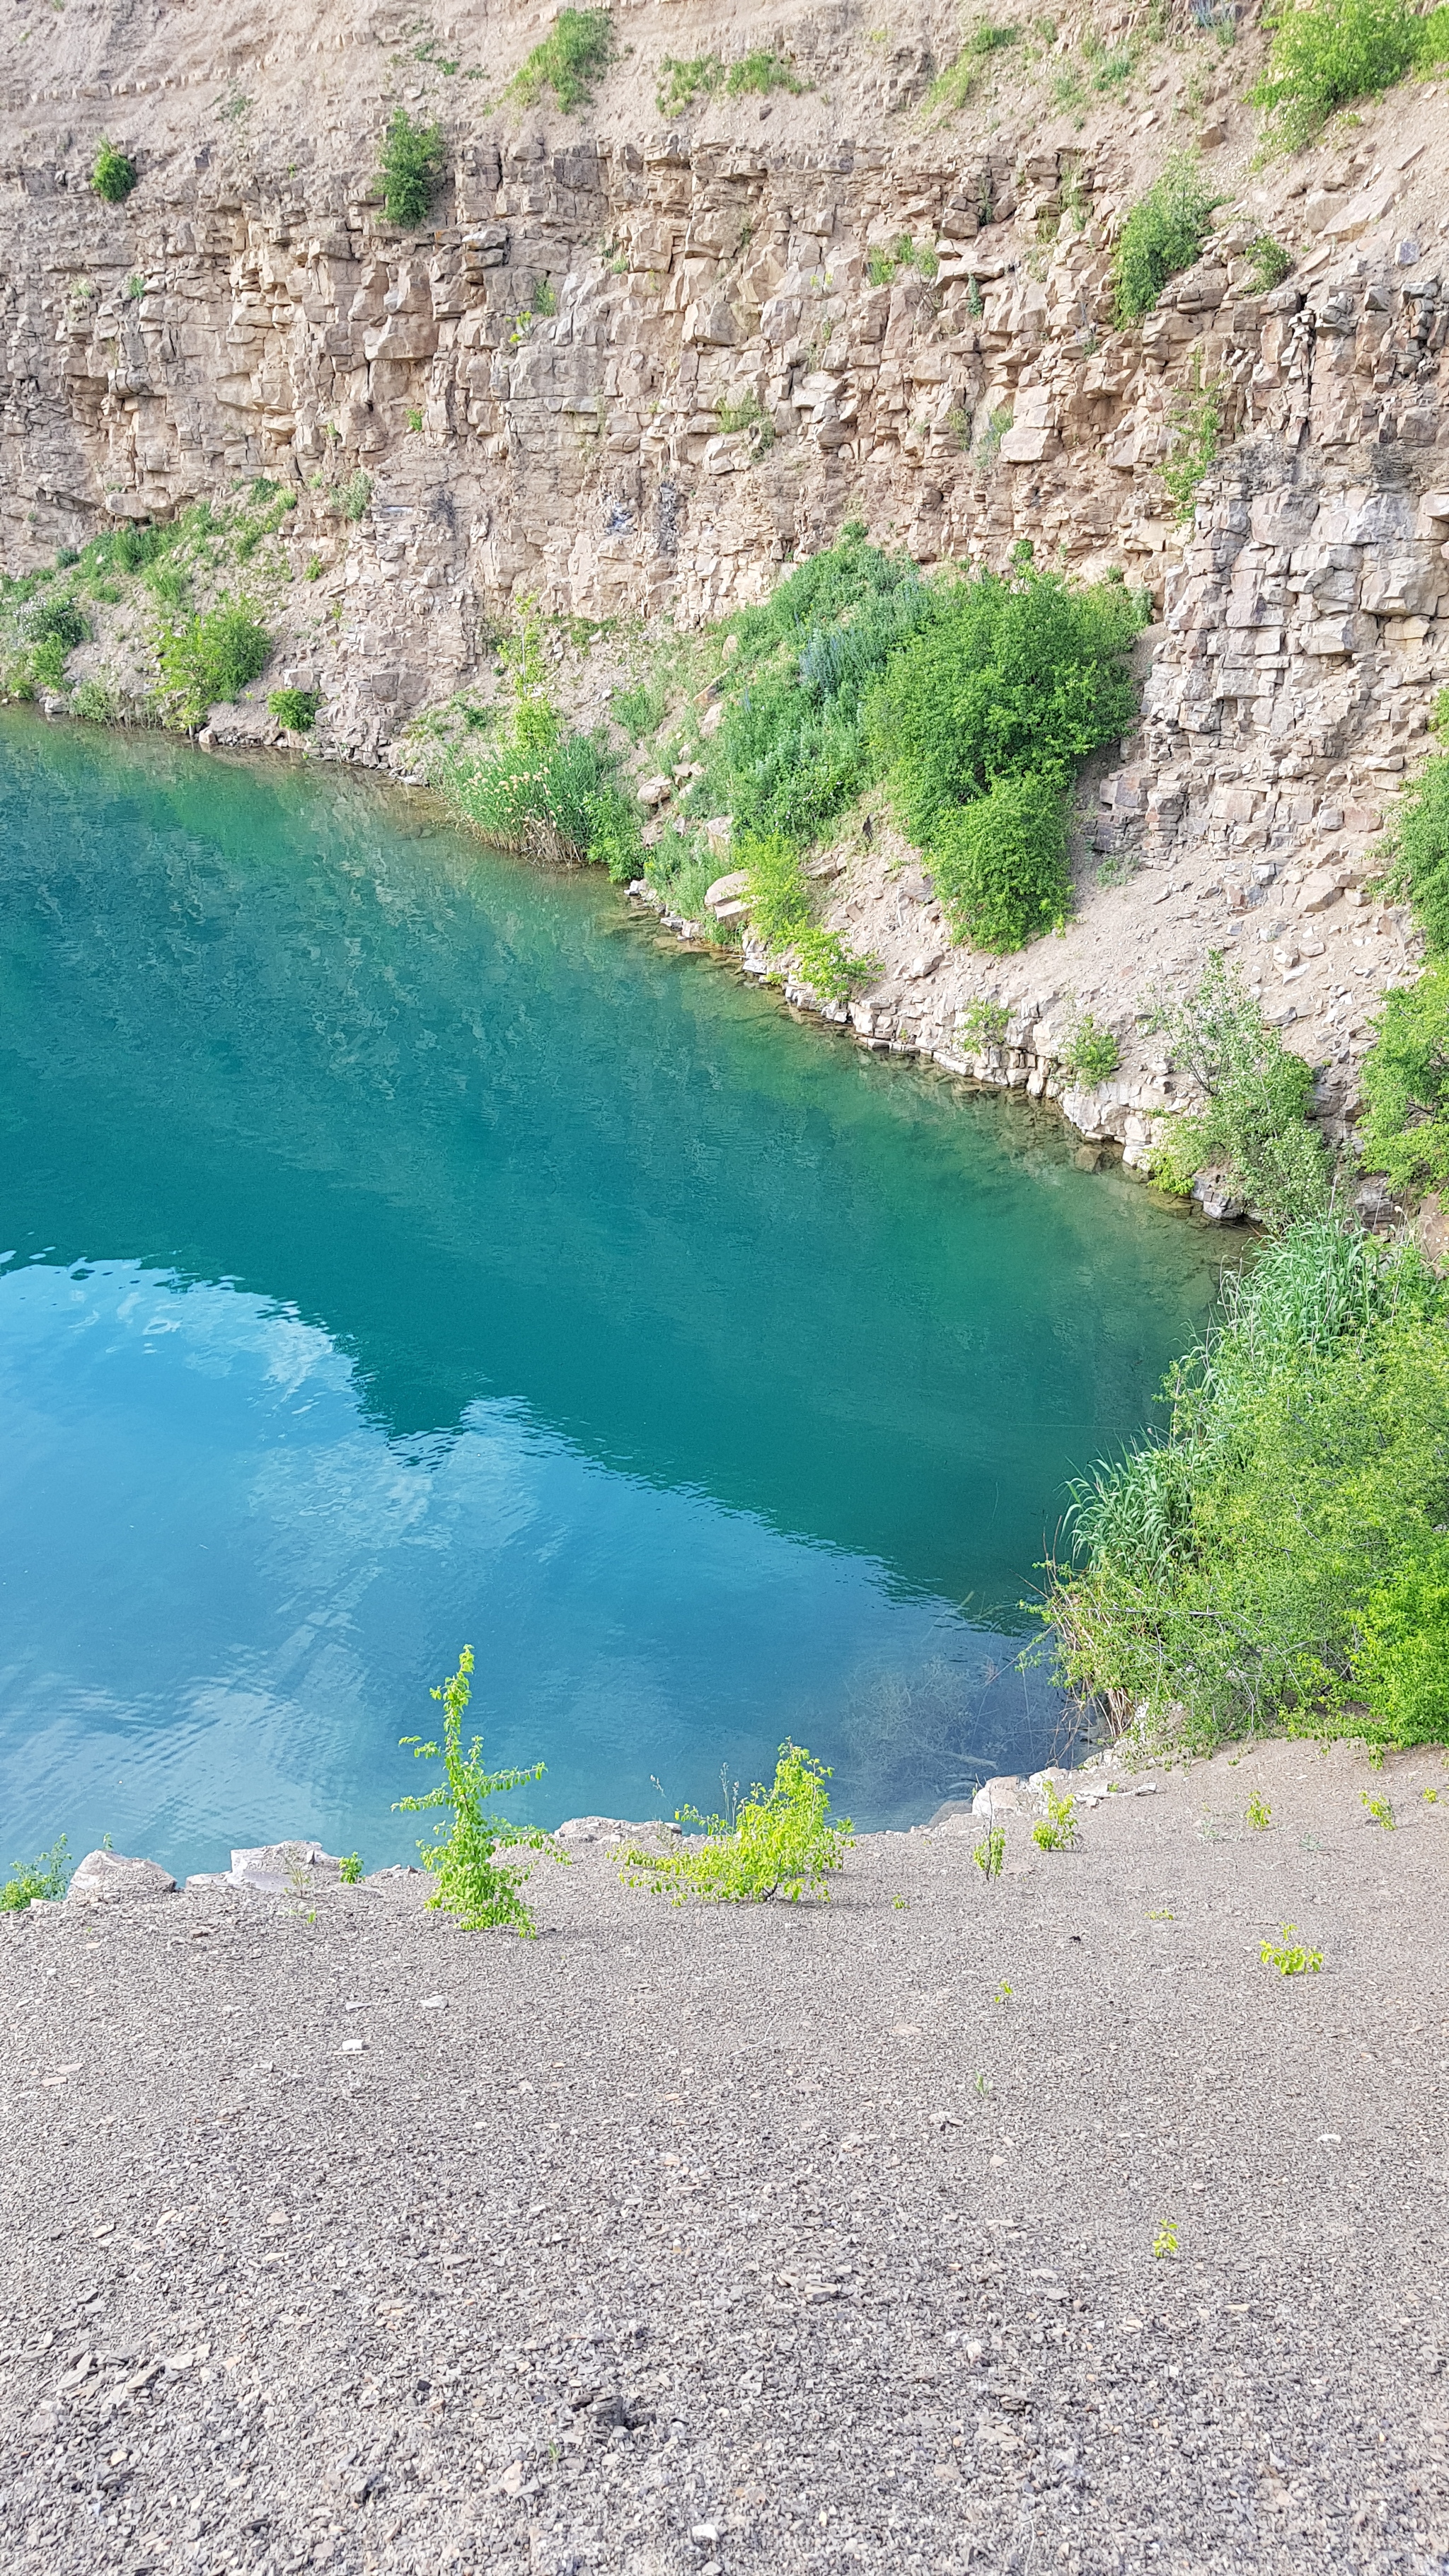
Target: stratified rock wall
pixel 633 370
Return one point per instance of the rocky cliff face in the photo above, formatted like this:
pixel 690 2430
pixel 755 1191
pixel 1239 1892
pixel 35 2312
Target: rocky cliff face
pixel 632 369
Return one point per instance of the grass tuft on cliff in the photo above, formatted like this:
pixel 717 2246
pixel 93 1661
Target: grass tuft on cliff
pixel 575 54
pixel 1280 1558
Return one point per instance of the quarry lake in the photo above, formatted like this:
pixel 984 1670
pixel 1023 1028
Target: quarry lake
pixel 402 1249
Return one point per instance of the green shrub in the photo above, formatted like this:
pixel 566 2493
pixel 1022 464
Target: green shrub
pixel 537 787
pixel 681 82
pixel 1328 52
pixel 1405 1133
pixel 782 1841
pixel 999 865
pixel 295 708
pixel 748 413
pixel 95 701
pixel 575 53
pixel 414 159
pixel 352 496
pixel 1273 1560
pixel 683 873
pixel 792 751
pixel 349 1869
pixel 1270 263
pixel 113 176
pixel 473 1884
pixel 640 710
pixel 1255 1126
pixel 885 260
pixel 1092 1053
pixel 1009 674
pixel 45 1878
pixel 1164 233
pixel 57 620
pixel 208 660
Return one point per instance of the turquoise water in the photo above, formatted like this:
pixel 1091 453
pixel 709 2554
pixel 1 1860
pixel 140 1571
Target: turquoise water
pixel 402 1249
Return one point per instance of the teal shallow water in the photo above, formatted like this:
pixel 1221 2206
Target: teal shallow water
pixel 402 1249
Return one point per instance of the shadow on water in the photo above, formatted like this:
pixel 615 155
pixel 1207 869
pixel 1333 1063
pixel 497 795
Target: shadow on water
pixel 286 1030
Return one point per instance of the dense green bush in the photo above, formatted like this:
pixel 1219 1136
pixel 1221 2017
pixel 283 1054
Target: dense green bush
pixel 1009 675
pixel 113 176
pixel 1164 233
pixel 999 864
pixel 1269 261
pixel 212 657
pixel 1405 1133
pixel 411 172
pixel 1280 1557
pixel 1328 52
pixel 1416 847
pixel 1255 1126
pixel 575 53
pixel 1091 1052
pixel 793 751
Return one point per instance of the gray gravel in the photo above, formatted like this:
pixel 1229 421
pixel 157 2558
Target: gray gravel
pixel 753 2240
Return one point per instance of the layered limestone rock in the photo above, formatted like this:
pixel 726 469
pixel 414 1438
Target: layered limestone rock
pixel 632 371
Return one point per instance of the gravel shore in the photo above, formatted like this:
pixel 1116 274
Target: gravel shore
pixel 756 2239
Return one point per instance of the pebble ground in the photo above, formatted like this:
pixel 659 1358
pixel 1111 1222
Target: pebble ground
pixel 1013 2226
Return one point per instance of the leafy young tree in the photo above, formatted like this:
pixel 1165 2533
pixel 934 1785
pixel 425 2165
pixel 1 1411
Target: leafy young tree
pixel 472 1882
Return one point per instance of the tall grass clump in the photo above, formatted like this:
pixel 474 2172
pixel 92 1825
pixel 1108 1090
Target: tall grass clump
pixel 1326 53
pixel 538 786
pixel 793 750
pixel 1280 1558
pixel 576 52
pixel 1163 234
pixel 411 172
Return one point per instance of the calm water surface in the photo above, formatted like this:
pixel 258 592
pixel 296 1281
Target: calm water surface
pixel 401 1249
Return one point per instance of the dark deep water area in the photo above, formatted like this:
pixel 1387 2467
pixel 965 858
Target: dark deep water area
pixel 401 1248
